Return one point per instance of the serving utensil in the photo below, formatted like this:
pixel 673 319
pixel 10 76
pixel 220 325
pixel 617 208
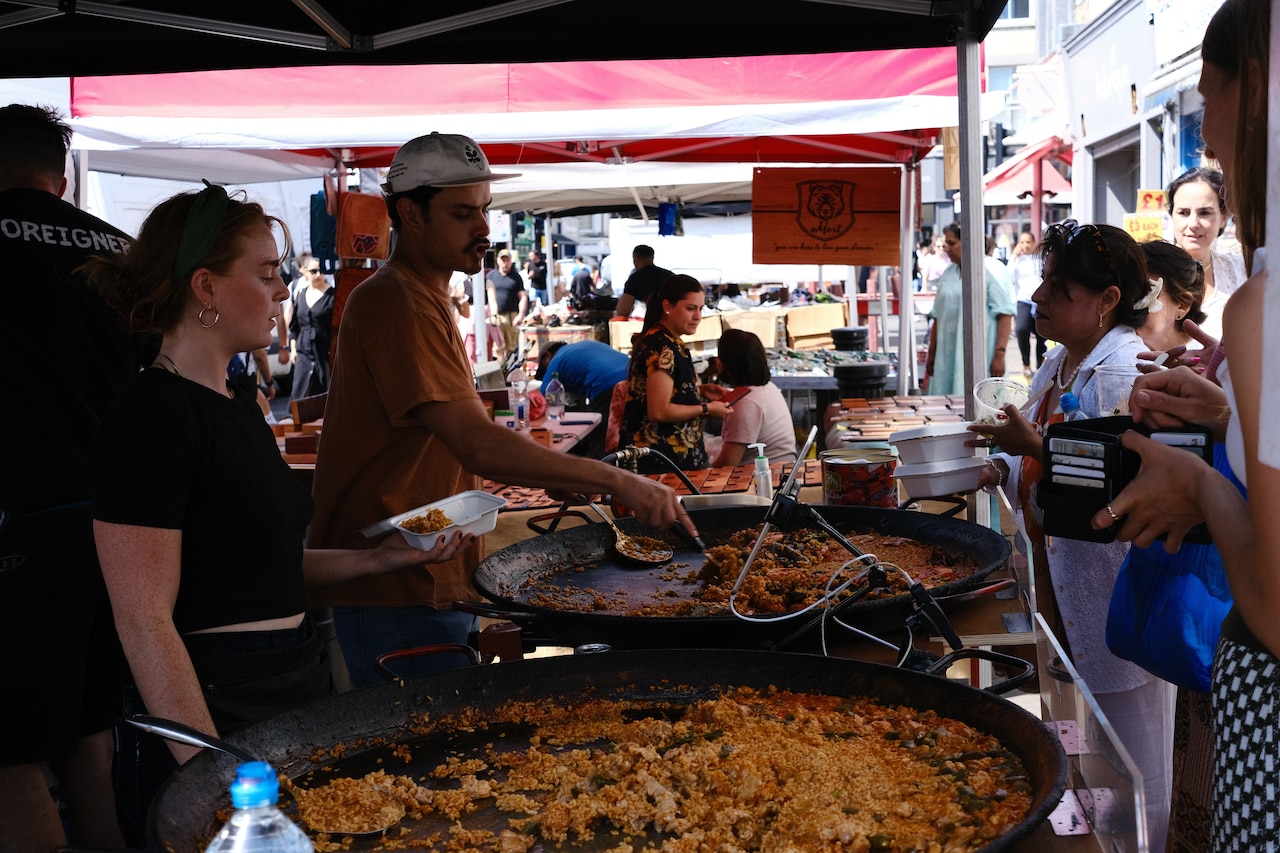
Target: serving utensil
pixel 629 547
pixel 182 733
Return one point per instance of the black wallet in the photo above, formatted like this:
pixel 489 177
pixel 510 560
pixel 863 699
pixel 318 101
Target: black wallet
pixel 1085 467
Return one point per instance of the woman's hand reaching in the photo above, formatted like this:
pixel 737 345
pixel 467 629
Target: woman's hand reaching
pixel 1172 398
pixel 1016 435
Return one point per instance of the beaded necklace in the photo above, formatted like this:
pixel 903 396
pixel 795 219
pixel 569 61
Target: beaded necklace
pixel 1063 386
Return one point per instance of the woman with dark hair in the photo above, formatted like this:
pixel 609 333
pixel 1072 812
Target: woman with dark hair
pixel 665 406
pixel 1182 289
pixel 762 415
pixel 199 523
pixel 1198 215
pixel 1094 294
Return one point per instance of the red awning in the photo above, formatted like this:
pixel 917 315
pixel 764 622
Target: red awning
pixel 1013 181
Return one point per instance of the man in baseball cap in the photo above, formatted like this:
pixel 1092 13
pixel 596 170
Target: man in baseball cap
pixel 439 160
pixel 404 425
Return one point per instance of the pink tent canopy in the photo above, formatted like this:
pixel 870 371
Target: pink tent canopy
pixel 869 106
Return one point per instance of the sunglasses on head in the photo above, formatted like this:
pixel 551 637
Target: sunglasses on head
pixel 1069 232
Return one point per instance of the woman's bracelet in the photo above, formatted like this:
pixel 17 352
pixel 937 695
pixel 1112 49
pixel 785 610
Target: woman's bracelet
pixel 1000 474
pixel 705 409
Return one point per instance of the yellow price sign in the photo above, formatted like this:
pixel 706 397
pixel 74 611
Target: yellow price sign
pixel 1151 201
pixel 1143 227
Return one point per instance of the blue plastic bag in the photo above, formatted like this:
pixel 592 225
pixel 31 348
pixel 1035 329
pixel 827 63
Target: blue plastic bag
pixel 1167 609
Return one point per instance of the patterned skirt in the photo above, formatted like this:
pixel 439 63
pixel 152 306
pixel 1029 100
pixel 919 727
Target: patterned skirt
pixel 1246 787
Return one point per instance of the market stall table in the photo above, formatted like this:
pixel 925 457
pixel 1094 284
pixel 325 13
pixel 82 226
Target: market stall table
pixel 299 448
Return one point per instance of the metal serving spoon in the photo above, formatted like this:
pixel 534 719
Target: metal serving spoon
pixel 182 733
pixel 632 548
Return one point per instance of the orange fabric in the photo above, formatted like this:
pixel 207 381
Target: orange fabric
pixel 364 227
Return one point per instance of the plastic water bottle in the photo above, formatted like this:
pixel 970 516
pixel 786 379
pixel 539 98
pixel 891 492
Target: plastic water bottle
pixel 1070 404
pixel 519 396
pixel 256 825
pixel 554 395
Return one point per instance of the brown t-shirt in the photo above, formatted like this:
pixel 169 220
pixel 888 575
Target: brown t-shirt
pixel 398 348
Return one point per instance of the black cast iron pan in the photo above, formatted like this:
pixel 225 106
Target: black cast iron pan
pixel 553 558
pixel 299 743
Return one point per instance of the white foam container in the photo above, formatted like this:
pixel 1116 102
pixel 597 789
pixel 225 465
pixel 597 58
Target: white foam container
pixel 471 512
pixel 933 443
pixel 939 479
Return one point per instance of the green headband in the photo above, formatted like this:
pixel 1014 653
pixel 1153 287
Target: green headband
pixel 200 231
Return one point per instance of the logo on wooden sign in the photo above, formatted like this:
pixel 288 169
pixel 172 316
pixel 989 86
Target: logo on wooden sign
pixel 826 216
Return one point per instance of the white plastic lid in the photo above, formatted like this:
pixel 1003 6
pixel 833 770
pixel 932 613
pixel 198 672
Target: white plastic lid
pixel 947 466
pixel 929 431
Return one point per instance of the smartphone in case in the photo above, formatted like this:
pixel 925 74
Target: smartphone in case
pixel 731 397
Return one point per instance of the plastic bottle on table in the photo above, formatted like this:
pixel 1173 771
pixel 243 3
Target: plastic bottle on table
pixel 519 396
pixel 1070 404
pixel 256 825
pixel 554 395
pixel 763 476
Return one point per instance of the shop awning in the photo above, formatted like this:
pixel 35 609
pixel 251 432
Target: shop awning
pixel 1014 181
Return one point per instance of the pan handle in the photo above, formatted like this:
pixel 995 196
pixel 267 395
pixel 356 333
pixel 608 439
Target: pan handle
pixel 1028 671
pixel 182 733
pixel 536 523
pixel 476 609
pixel 381 661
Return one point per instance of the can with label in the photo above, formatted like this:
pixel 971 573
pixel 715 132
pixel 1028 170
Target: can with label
pixel 859 478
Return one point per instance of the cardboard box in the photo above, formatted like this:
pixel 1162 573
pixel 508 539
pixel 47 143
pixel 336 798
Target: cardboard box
pixel 809 326
pixel 542 435
pixel 707 335
pixel 762 324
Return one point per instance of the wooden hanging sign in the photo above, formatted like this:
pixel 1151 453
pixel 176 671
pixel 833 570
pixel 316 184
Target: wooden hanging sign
pixel 848 216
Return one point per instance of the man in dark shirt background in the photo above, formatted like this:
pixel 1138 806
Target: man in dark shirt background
pixel 536 269
pixel 642 282
pixel 508 300
pixel 582 285
pixel 62 662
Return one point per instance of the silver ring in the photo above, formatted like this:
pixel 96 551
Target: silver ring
pixel 1111 512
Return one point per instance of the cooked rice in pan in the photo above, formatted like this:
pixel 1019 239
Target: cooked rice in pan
pixel 750 771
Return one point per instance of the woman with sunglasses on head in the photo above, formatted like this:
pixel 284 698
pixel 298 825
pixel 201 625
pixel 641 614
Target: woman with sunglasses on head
pixel 664 405
pixel 1198 215
pixel 199 522
pixel 1169 496
pixel 1095 292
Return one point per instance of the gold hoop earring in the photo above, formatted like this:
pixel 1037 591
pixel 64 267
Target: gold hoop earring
pixel 203 325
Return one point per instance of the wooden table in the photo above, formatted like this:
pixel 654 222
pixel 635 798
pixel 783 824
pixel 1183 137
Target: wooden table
pixel 298 448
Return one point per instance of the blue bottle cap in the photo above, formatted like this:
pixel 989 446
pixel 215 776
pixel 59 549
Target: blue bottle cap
pixel 255 785
pixel 1069 402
